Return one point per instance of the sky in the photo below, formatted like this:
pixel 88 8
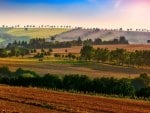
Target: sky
pixel 85 13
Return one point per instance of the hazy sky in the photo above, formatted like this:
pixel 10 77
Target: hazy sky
pixel 86 13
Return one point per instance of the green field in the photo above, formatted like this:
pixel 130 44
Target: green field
pixel 36 32
pixel 1 40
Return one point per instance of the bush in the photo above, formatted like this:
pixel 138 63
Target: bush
pixel 25 73
pixel 76 82
pixel 144 92
pixel 122 87
pixel 5 72
pixel 141 82
pixel 51 81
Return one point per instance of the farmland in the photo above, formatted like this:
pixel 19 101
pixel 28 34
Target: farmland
pixel 15 99
pixel 36 32
pixel 9 35
pixel 132 47
pixel 60 67
pixel 57 64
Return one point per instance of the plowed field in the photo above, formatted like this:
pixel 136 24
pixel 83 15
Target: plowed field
pixel 32 100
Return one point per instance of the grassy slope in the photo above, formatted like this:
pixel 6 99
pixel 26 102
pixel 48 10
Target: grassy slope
pixel 36 32
pixel 17 99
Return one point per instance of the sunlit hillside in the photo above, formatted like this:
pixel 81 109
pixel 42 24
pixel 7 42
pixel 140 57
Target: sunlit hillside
pixel 36 32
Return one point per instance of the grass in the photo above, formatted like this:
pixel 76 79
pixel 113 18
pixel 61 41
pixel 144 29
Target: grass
pixel 19 99
pixel 37 32
pixel 1 40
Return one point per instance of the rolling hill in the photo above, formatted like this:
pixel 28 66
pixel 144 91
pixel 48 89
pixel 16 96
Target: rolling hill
pixel 133 36
pixel 36 32
pixel 8 35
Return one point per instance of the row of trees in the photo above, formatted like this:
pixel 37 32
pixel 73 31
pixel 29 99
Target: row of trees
pixel 14 51
pixel 34 26
pixel 123 87
pixel 42 43
pixel 118 56
pixel 70 27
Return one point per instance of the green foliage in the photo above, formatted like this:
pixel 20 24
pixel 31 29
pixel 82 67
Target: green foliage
pixel 71 56
pixel 101 55
pixel 51 81
pixel 144 92
pixel 141 82
pixel 118 56
pixel 5 72
pixel 113 86
pixel 76 82
pixel 81 83
pixel 39 55
pixel 87 52
pixel 24 73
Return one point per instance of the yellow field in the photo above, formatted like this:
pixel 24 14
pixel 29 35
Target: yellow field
pixel 37 32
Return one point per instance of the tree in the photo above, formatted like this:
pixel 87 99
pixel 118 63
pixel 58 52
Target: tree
pixel 53 39
pixel 101 54
pixel 87 52
pixel 141 82
pixel 118 55
pixel 97 41
pixel 79 41
pixel 3 53
pixel 123 40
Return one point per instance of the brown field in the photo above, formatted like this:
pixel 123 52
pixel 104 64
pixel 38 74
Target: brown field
pixel 77 49
pixel 90 69
pixel 33 100
pixel 55 66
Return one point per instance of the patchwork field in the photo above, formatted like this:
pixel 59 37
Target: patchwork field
pixel 71 67
pixel 132 47
pixel 32 100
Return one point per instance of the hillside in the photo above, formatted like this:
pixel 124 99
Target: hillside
pixel 33 100
pixel 62 34
pixel 133 36
pixel 36 32
pixel 8 35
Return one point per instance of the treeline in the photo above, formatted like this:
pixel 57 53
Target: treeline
pixel 14 51
pixel 139 87
pixel 118 56
pixel 42 43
